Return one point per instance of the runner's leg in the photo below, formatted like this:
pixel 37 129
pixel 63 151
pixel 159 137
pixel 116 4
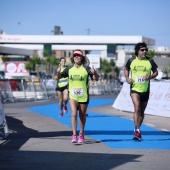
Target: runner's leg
pixel 82 113
pixel 73 106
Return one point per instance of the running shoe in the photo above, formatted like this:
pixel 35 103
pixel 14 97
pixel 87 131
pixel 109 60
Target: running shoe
pixel 74 139
pixel 65 109
pixel 61 114
pixel 81 138
pixel 137 135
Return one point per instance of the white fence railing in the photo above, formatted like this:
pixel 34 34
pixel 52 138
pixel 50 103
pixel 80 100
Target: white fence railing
pixel 13 90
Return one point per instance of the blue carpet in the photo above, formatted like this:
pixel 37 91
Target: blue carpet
pixel 113 131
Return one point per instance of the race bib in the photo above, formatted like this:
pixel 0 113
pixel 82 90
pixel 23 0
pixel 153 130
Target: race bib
pixel 64 82
pixel 140 79
pixel 77 92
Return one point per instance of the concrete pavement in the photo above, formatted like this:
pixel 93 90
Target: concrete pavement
pixel 40 142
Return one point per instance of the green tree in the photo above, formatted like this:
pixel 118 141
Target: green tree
pixel 151 53
pixel 104 66
pixel 31 64
pixel 50 61
pixel 116 71
pixel 107 67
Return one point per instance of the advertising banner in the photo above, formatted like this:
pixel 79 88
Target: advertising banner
pixel 15 69
pixel 158 104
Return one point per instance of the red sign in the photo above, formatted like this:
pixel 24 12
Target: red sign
pixel 15 69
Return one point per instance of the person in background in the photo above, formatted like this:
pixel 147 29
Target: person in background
pixel 122 77
pixel 78 74
pixel 142 69
pixel 62 88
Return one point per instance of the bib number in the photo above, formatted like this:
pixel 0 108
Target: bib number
pixel 64 82
pixel 77 92
pixel 140 79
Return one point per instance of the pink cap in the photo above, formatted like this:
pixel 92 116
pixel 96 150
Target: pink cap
pixel 78 52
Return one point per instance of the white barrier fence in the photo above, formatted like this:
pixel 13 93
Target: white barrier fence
pixel 158 104
pixel 35 89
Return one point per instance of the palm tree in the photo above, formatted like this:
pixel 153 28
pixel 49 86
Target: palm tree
pixel 50 62
pixel 104 66
pixel 115 70
pixel 151 53
pixel 107 67
pixel 31 64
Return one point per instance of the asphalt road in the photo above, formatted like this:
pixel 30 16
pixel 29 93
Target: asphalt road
pixel 40 142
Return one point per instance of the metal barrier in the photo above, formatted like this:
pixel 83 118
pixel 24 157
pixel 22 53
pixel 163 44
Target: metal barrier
pixel 116 86
pixel 26 89
pixel 6 91
pixel 50 86
pixel 103 87
pixel 4 132
pixel 13 90
pixel 33 89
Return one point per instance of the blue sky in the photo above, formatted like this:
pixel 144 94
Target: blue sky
pixel 149 18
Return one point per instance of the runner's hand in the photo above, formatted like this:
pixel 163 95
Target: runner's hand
pixel 147 77
pixel 92 69
pixel 59 68
pixel 129 80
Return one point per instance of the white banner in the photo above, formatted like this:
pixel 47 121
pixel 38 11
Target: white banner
pixel 158 104
pixel 94 60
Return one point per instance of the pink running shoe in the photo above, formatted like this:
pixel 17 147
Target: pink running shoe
pixel 65 109
pixel 81 138
pixel 61 114
pixel 74 139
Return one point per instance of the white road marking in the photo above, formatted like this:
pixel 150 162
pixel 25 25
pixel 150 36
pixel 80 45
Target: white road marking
pixel 165 130
pixel 150 124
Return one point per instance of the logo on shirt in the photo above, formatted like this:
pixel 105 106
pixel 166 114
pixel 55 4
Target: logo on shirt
pixel 139 68
pixel 76 78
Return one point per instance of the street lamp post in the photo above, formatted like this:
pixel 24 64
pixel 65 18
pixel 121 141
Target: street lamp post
pixel 19 27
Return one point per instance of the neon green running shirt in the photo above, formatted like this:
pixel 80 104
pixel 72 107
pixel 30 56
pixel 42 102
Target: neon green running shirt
pixel 139 69
pixel 63 81
pixel 78 82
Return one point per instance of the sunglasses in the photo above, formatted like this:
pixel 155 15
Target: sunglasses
pixel 144 50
